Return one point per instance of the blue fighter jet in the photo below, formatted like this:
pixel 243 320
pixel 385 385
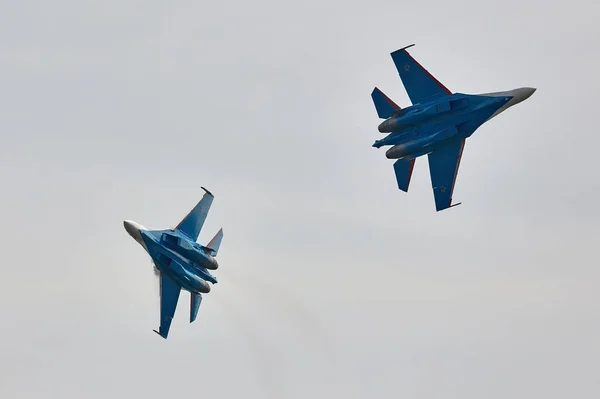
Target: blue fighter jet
pixel 437 124
pixel 180 261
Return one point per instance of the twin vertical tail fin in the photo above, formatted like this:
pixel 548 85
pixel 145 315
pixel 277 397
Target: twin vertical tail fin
pixel 195 301
pixel 383 104
pixel 195 298
pixel 215 243
pixel 403 169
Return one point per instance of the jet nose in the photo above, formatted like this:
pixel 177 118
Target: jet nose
pixel 130 227
pixel 134 229
pixel 528 91
pixel 523 94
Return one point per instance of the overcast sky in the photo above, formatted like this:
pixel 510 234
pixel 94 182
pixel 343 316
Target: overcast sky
pixel 333 283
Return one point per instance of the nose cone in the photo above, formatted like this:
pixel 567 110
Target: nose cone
pixel 134 229
pixel 521 94
pixel 525 92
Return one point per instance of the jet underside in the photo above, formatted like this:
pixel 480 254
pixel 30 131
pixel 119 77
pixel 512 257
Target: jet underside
pixel 189 275
pixel 180 260
pixel 437 124
pixel 424 127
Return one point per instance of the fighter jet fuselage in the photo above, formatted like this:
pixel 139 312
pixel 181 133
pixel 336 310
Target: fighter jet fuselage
pixel 437 124
pixel 180 261
pixel 416 130
pixel 178 257
pixel 197 254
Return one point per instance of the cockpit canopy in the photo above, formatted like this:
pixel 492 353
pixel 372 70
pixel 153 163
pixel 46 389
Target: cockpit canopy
pixel 169 238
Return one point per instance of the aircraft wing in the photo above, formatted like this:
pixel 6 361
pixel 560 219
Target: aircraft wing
pixel 443 168
pixel 420 85
pixel 193 222
pixel 169 295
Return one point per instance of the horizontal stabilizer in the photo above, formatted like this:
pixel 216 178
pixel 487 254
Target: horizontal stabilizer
pixel 215 243
pixel 195 301
pixel 420 85
pixel 383 104
pixel 404 169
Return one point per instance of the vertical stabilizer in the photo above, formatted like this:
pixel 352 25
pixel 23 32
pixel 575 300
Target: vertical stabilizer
pixel 403 170
pixel 383 104
pixel 195 301
pixel 215 243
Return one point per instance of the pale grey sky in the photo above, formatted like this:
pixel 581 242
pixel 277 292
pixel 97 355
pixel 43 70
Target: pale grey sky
pixel 333 283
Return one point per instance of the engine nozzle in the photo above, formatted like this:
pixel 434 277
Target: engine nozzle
pixel 396 152
pixel 388 125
